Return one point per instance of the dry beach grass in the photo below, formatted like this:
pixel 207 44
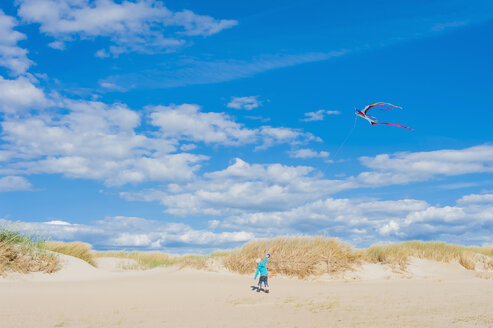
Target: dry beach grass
pixel 21 253
pixel 436 290
pixel 399 254
pixel 295 256
pixel 76 249
pixel 299 257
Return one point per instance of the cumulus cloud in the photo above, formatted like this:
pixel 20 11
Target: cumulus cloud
pixel 306 153
pixel 403 168
pixel 319 115
pixel 476 198
pixel 130 25
pixel 20 94
pixel 57 45
pixel 264 189
pixel 91 140
pixel 247 103
pixel 94 140
pixel 12 56
pixel 364 222
pixel 136 233
pixel 243 187
pixel 14 183
pixel 188 122
pixel 277 135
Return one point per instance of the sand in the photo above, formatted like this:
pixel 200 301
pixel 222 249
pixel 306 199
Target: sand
pixel 430 294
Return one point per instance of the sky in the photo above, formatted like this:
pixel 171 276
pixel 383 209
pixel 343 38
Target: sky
pixel 191 126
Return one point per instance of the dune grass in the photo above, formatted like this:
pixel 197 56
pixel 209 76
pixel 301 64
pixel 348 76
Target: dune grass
pixel 294 256
pixel 398 254
pixel 24 253
pixel 306 256
pixel 201 262
pixel 145 260
pixel 75 249
pixel 150 260
pixel 291 256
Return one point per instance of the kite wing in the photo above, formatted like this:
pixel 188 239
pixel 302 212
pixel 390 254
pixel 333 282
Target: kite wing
pixel 394 124
pixel 382 106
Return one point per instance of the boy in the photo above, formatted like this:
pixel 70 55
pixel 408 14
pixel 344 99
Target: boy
pixel 262 269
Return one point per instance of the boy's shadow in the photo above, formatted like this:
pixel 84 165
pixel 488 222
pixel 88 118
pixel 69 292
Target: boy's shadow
pixel 257 289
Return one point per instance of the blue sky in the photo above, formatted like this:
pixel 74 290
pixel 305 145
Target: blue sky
pixel 188 126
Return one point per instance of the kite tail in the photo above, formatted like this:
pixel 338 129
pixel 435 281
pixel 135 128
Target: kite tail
pixel 385 106
pixel 394 124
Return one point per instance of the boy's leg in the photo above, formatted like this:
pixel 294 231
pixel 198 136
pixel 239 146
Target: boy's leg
pixel 266 284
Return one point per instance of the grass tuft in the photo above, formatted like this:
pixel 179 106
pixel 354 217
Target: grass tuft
pixel 24 253
pixel 294 256
pixel 145 260
pixel 398 254
pixel 75 249
pixel 150 260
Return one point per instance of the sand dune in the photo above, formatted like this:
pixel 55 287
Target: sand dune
pixel 429 294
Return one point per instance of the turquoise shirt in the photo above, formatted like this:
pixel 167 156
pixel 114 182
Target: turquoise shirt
pixel 262 268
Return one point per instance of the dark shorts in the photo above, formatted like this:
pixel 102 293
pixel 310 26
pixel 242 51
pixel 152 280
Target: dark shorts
pixel 264 280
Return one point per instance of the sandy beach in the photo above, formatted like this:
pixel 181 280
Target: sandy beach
pixel 430 294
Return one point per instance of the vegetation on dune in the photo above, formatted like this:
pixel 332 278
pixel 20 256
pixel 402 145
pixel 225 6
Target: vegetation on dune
pixel 398 254
pixel 23 253
pixel 150 260
pixel 291 256
pixel 75 249
pixel 145 260
pixel 294 256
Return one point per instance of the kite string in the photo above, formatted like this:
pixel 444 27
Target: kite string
pixel 341 145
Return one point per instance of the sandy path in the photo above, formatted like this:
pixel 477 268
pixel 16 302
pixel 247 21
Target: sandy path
pixel 170 298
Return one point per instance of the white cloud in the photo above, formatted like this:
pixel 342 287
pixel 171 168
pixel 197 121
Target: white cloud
pixel 277 191
pixel 277 135
pixel 367 222
pixel 476 198
pixel 319 115
pixel 14 183
pixel 134 232
pixel 213 224
pixel 20 95
pixel 111 86
pixel 188 122
pixel 199 24
pixel 307 153
pixel 130 25
pixel 102 53
pixel 402 168
pixel 59 45
pixel 361 222
pixel 242 188
pixel 131 239
pixel 57 222
pixel 187 147
pixel 390 227
pixel 192 72
pixel 247 103
pixel 92 141
pixel 12 56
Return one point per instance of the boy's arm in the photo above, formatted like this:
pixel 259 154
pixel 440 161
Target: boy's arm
pixel 256 273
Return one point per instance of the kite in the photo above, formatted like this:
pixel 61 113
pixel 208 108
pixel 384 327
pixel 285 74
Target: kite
pixel 381 106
